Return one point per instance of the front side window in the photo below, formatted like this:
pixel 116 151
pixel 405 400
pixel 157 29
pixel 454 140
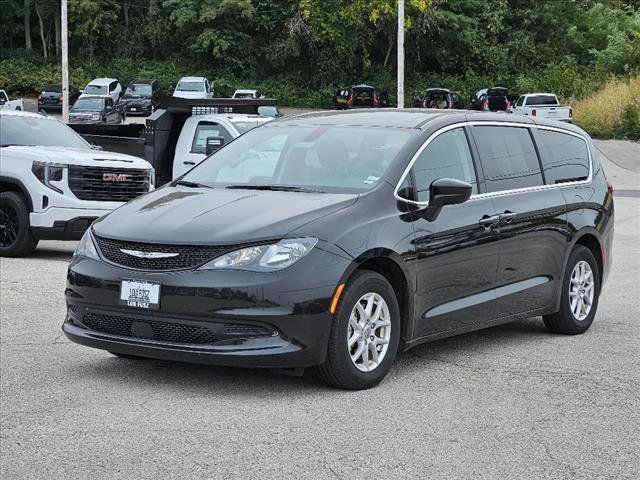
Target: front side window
pixel 520 102
pixel 205 130
pixel 508 157
pixel 565 158
pixel 447 156
pixel 326 158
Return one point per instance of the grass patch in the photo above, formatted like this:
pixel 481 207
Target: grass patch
pixel 613 112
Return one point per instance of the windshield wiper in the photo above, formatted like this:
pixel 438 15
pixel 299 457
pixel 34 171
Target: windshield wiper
pixel 276 188
pixel 187 183
pixel 15 145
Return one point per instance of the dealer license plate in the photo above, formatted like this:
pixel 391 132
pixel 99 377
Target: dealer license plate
pixel 139 294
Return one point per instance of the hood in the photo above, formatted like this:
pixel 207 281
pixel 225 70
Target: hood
pixel 181 94
pixel 183 215
pixel 76 156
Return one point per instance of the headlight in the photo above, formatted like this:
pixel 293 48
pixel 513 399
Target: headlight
pixel 264 258
pixel 86 247
pixel 48 172
pixel 96 116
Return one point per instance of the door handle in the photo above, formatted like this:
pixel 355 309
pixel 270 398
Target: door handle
pixel 488 221
pixel 507 216
pixel 188 163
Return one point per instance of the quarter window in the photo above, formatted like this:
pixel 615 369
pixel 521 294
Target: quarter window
pixel 447 156
pixel 565 158
pixel 508 158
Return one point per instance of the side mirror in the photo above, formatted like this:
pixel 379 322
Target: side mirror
pixel 213 144
pixel 81 90
pixel 446 191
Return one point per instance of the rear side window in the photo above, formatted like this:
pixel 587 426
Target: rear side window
pixel 508 158
pixel 447 156
pixel 565 158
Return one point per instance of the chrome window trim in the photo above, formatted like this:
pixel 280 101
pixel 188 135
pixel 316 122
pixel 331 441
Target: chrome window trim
pixel 501 192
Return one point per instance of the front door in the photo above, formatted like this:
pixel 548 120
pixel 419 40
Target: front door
pixel 456 255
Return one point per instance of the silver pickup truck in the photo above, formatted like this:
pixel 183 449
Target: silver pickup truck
pixel 543 105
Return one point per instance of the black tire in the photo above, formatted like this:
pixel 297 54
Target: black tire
pixel 564 321
pixel 16 239
pixel 126 356
pixel 338 370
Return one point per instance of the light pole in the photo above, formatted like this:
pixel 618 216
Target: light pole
pixel 64 41
pixel 400 53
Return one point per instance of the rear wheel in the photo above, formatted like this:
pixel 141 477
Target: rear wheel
pixel 365 333
pixel 16 239
pixel 580 293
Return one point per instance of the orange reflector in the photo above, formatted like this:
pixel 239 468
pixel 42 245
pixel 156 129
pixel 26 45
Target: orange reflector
pixel 336 297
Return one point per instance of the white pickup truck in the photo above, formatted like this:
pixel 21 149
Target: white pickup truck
pixel 544 105
pixel 6 104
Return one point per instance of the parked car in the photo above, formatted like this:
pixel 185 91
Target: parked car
pixel 545 105
pixel 369 233
pixel 193 87
pixel 50 99
pixel 53 184
pixel 497 100
pixel 89 109
pixel 6 104
pixel 361 96
pixel 103 87
pixel 194 142
pixel 438 98
pixel 247 94
pixel 141 97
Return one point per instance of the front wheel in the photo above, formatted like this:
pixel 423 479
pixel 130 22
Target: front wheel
pixel 365 333
pixel 16 239
pixel 580 293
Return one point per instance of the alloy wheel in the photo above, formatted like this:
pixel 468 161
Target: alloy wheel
pixel 9 225
pixel 369 332
pixel 581 290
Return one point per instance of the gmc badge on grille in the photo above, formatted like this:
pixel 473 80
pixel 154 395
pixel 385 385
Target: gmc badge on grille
pixel 116 177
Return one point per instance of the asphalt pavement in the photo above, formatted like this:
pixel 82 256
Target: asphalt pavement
pixel 508 402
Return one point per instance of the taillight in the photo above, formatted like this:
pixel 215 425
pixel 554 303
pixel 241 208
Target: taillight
pixel 449 104
pixel 39 97
pixel 424 104
pixel 610 188
pixel 533 112
pixel 485 105
pixel 375 100
pixel 508 105
pixel 350 101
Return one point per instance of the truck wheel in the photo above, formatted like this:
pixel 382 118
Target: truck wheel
pixel 16 239
pixel 19 109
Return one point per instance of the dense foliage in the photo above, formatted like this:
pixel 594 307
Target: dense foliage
pixel 302 50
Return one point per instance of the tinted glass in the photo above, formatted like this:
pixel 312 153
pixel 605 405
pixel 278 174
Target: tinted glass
pixel 138 90
pixel 53 88
pixel 208 129
pixel 88 104
pixel 96 90
pixel 190 87
pixel 565 158
pixel 447 156
pixel 542 100
pixel 339 159
pixel 19 130
pixel 508 157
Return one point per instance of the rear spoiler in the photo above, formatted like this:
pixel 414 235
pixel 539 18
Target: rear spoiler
pixel 196 106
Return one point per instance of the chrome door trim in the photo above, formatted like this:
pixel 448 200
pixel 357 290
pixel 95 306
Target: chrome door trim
pixel 502 192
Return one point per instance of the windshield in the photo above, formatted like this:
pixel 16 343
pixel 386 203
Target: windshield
pixel 138 90
pixel 190 87
pixel 327 158
pixel 18 130
pixel 96 90
pixel 92 104
pixel 542 100
pixel 53 88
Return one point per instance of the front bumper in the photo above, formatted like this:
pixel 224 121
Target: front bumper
pixel 57 217
pixel 232 318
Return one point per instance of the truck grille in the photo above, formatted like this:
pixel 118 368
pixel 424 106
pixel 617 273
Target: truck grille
pixel 188 256
pixel 108 184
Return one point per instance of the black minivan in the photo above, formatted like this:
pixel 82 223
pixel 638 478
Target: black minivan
pixel 336 239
